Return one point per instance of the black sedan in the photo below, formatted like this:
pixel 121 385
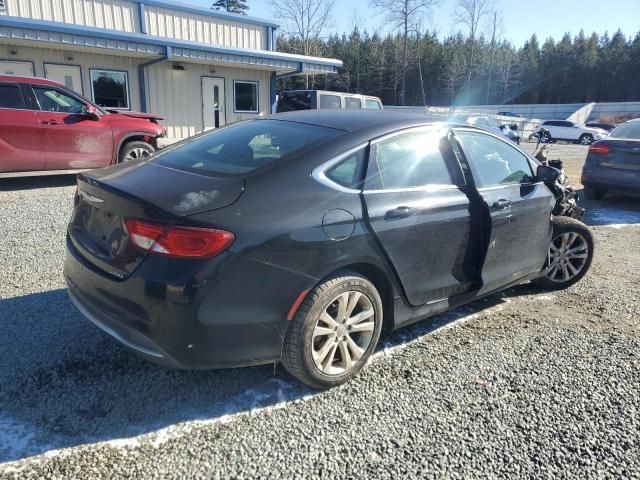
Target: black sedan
pixel 614 163
pixel 298 237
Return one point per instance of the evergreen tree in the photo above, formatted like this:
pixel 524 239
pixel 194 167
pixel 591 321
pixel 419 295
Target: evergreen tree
pixel 232 6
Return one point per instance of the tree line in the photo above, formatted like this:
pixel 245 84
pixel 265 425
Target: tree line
pixel 573 70
pixel 414 67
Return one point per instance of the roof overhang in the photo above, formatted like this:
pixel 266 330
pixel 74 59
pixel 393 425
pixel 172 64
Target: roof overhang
pixel 57 34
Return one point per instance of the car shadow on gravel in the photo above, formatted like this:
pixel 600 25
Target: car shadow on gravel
pixel 64 383
pixel 613 210
pixel 31 183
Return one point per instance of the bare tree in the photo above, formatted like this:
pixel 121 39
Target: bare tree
pixel 305 20
pixel 496 25
pixel 470 13
pixel 402 15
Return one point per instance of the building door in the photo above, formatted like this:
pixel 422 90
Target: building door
pixel 68 75
pixel 24 69
pixel 213 104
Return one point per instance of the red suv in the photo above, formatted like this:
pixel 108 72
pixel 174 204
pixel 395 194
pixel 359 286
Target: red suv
pixel 46 128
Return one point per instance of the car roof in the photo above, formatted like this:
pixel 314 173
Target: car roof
pixel 21 79
pixel 357 120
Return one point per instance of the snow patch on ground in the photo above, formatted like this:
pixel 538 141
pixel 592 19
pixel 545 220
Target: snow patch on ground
pixel 613 217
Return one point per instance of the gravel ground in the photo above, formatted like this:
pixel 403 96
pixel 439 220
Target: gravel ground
pixel 522 384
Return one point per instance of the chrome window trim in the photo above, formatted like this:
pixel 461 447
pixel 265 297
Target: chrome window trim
pixel 428 188
pixel 320 176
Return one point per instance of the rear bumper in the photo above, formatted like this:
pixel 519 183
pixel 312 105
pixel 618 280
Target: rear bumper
pixel 611 178
pixel 229 311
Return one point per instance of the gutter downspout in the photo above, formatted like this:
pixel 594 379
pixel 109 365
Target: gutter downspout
pixel 142 77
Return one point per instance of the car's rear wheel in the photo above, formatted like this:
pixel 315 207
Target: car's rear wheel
pixel 593 193
pixel 586 139
pixel 135 151
pixel 569 256
pixel 545 137
pixel 334 332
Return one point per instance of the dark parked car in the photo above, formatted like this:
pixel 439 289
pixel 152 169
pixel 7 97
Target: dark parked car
pixel 47 128
pixel 298 237
pixel 614 163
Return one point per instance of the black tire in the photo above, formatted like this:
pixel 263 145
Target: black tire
pixel 585 139
pixel 593 193
pixel 134 151
pixel 562 226
pixel 297 353
pixel 546 138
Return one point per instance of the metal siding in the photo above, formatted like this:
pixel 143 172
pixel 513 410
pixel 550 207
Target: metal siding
pixel 177 94
pixel 118 15
pixel 40 56
pixel 191 27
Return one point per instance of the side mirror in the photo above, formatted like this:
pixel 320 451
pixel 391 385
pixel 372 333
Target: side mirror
pixel 547 175
pixel 91 113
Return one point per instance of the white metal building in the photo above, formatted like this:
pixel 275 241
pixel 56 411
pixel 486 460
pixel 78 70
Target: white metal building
pixel 199 68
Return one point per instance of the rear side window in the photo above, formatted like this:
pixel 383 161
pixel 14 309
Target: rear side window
pixel 408 160
pixel 330 102
pixel 11 97
pixel 372 105
pixel 494 162
pixel 352 103
pixel 627 130
pixel 290 102
pixel 348 172
pixel 244 147
pixel 551 124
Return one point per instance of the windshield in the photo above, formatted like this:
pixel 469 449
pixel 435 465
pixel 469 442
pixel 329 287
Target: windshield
pixel 627 130
pixel 244 147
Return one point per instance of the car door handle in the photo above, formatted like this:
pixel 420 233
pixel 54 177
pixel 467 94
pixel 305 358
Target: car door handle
pixel 50 122
pixel 399 212
pixel 501 204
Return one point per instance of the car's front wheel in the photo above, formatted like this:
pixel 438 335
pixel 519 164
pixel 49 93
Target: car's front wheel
pixel 334 332
pixel 586 139
pixel 135 151
pixel 569 256
pixel 593 193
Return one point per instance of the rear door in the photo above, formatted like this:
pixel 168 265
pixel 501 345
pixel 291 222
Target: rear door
pixel 419 214
pixel 72 140
pixel 519 208
pixel 21 138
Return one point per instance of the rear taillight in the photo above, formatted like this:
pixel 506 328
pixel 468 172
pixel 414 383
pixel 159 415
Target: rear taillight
pixel 599 149
pixel 175 241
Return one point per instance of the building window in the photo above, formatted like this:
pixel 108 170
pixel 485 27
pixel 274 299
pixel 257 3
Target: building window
pixel 110 88
pixel 245 97
pixel 3 7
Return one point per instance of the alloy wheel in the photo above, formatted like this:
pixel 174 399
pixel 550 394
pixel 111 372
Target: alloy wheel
pixel 586 140
pixel 343 333
pixel 136 154
pixel 567 257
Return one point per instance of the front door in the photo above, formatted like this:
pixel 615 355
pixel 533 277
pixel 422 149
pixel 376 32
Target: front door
pixel 419 215
pixel 68 75
pixel 72 141
pixel 519 208
pixel 213 104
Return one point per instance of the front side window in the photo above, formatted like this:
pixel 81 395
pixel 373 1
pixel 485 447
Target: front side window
pixel 494 162
pixel 245 95
pixel 352 103
pixel 372 105
pixel 330 102
pixel 408 160
pixel 243 147
pixel 11 97
pixel 53 100
pixel 110 89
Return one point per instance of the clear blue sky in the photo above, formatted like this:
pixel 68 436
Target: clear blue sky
pixel 520 17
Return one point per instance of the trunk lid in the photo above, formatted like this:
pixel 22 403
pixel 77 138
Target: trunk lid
pixel 624 155
pixel 139 190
